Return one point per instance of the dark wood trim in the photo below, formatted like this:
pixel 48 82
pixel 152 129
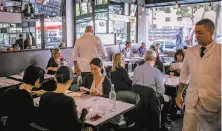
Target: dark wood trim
pixel 42 25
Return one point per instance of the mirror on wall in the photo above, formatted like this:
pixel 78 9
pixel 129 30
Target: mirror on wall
pixel 40 24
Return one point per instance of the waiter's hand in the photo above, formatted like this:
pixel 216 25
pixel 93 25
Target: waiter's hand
pixel 76 69
pixel 179 101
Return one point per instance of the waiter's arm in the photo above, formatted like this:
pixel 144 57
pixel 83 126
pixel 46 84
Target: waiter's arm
pixel 75 55
pixel 184 79
pixel 101 47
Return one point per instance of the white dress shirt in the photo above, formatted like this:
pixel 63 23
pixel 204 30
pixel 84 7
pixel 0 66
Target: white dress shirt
pixel 127 52
pixel 85 49
pixel 204 77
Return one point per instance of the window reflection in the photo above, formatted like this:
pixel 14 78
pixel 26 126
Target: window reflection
pixel 53 32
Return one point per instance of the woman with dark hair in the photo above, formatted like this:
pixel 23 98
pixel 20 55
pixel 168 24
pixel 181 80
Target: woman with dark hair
pixel 19 102
pixel 97 82
pixel 33 77
pixel 175 67
pixel 57 110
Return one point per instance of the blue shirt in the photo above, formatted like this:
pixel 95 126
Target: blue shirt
pixel 142 50
pixel 147 75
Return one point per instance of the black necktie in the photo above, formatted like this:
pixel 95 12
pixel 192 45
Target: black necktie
pixel 202 51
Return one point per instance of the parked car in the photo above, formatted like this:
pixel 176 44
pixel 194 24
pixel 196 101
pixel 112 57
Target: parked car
pixel 166 45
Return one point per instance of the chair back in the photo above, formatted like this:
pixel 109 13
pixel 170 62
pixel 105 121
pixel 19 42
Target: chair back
pixel 149 109
pixel 132 98
pixel 121 86
pixel 128 96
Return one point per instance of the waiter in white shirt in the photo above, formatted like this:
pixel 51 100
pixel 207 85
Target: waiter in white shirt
pixel 202 69
pixel 85 49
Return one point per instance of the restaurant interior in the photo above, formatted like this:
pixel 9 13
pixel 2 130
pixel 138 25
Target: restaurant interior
pixel 31 30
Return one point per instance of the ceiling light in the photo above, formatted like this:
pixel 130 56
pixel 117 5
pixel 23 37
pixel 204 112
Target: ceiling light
pixel 177 5
pixel 143 8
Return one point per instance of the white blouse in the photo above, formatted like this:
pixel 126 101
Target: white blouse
pixel 99 87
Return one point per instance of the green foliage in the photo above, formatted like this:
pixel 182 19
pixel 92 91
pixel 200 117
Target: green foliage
pixel 165 9
pixel 184 12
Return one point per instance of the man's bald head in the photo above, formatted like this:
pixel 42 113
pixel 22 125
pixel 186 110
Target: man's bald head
pixel 89 29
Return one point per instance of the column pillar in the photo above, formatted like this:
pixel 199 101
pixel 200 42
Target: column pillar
pixel 142 23
pixel 70 23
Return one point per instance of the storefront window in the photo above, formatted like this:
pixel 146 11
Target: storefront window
pixel 80 28
pixel 77 9
pixel 109 19
pixel 100 26
pixel 133 32
pixel 165 22
pixel 53 32
pixel 84 9
pixel 99 2
pixel 120 28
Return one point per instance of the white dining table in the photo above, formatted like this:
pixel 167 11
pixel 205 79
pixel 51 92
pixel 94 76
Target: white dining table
pixel 107 63
pixel 6 82
pixel 134 59
pixel 98 106
pixel 20 76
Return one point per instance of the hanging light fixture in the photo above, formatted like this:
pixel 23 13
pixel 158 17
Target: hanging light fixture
pixel 177 4
pixel 211 6
pixel 134 1
pixel 143 8
pixel 120 11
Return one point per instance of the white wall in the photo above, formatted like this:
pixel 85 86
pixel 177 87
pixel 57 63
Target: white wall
pixel 69 23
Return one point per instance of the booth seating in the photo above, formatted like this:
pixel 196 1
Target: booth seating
pixel 17 61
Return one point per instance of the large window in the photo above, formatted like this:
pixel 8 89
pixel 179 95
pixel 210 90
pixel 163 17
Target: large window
pixel 53 32
pixel 110 19
pixel 77 9
pixel 84 8
pixel 165 22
